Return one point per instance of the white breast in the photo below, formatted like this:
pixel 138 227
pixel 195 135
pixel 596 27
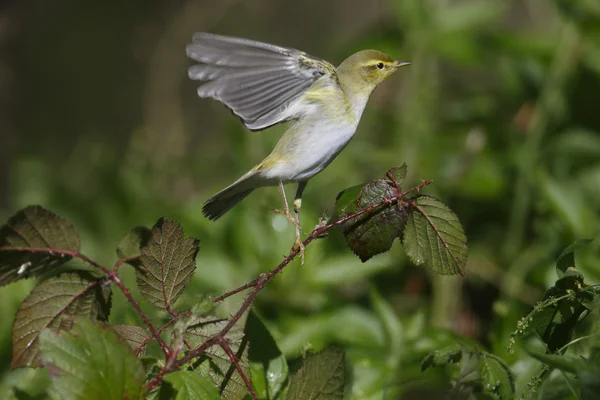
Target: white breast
pixel 311 143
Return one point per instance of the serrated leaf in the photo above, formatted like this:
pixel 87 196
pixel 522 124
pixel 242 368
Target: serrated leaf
pixel 566 259
pixel 437 358
pixel 169 260
pixel 267 363
pixel 321 376
pixel 91 363
pixel 496 378
pixel 52 304
pixel 221 370
pixel 374 232
pixel 397 174
pixel 435 238
pixel 135 336
pixel 192 386
pixel 34 228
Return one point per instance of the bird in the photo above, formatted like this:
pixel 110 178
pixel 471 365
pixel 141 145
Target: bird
pixel 265 84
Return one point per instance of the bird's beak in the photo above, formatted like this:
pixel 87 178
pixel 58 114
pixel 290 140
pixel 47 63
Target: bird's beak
pixel 398 64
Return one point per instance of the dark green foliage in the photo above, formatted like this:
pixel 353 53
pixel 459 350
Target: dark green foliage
pixel 431 233
pixel 29 242
pixel 169 260
pixel 480 373
pixel 321 376
pixel 52 305
pixel 92 363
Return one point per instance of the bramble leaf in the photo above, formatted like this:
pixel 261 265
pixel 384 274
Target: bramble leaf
pixel 373 232
pixel 322 376
pixel 169 260
pixel 92 363
pixel 434 237
pixel 34 228
pixel 192 386
pixel 52 304
pixel 397 174
pixel 133 335
pixel 220 368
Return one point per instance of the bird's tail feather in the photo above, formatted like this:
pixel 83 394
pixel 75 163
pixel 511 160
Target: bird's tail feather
pixel 227 198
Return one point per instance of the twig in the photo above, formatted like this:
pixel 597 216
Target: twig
pixel 112 276
pixel 259 283
pixel 225 346
pixel 317 232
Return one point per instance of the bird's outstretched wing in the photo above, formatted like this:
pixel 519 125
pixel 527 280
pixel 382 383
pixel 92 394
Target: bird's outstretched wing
pixel 257 81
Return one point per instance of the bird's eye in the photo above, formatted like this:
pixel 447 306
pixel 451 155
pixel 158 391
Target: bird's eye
pixel 379 65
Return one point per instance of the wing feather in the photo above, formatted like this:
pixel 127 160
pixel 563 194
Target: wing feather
pixel 259 82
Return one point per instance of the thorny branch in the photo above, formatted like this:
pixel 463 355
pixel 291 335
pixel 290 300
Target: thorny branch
pixel 219 339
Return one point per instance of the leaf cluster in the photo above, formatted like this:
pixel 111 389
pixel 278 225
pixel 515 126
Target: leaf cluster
pixel 63 324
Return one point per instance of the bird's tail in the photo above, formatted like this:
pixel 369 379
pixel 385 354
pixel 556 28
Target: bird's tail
pixel 224 201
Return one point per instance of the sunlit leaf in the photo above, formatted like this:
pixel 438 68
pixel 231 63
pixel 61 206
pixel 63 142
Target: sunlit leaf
pixel 135 336
pixel 221 370
pixel 321 376
pixel 192 386
pixel 267 363
pixel 34 228
pixel 437 358
pixel 435 238
pixel 52 304
pixel 169 260
pixel 91 363
pixel 373 232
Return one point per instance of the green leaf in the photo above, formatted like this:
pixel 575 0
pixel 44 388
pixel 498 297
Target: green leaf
pixel 169 260
pixel 374 232
pixel 437 358
pixel 434 237
pixel 496 378
pixel 136 239
pixel 135 336
pixel 34 228
pixel 221 370
pixel 192 386
pixel 52 304
pixel 267 363
pixel 321 376
pixel 91 363
pixel 397 175
pixel 566 259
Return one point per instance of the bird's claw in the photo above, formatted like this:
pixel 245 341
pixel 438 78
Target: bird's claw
pixel 298 245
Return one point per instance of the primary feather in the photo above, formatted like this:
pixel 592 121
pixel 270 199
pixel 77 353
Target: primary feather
pixel 259 82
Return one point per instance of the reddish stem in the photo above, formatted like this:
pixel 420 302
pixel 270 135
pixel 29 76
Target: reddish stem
pixel 223 343
pixel 112 276
pixel 259 283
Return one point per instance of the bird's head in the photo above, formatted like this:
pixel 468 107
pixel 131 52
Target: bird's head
pixel 363 71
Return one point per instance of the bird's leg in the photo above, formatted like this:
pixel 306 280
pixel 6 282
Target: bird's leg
pixel 288 215
pixel 297 205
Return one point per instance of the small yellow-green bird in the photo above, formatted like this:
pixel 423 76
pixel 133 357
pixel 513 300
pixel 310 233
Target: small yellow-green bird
pixel 264 85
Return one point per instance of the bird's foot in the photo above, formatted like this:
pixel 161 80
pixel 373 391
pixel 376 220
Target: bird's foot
pixel 298 245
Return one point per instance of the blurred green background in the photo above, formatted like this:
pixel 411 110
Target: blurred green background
pixel 501 108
